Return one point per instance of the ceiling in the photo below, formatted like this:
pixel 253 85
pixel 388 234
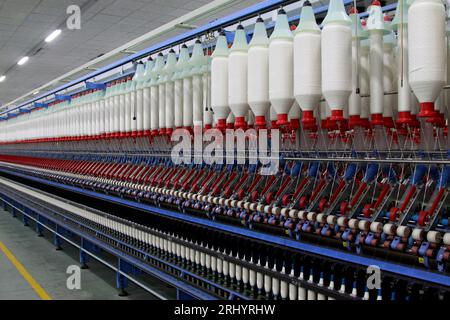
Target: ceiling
pixel 105 25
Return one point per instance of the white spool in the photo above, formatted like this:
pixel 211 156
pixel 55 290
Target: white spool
pixel 219 81
pixel 446 239
pixel 311 295
pixel 252 278
pixel 122 109
pixel 146 97
pixel 259 280
pixel 301 293
pixel 197 64
pixel 336 58
pixel 244 273
pixel 267 284
pixel 197 100
pixel 155 96
pixel 376 227
pixel 354 108
pixel 388 74
pixel 364 79
pixel 375 25
pixel 353 223
pixel 232 270
pixel 404 96
pixel 128 106
pixel 258 73
pixel 162 105
pixel 321 218
pixel 434 237
pixel 364 225
pixel 208 116
pixel 237 77
pixel 389 229
pixel 403 231
pixel 281 91
pixel 331 220
pixel 293 213
pixel 220 266
pixel 426 39
pixel 275 286
pixel 284 290
pixel 187 102
pixel 292 292
pixel 302 214
pixel 169 71
pixel 276 211
pixel 311 216
pixel 178 103
pixel 307 61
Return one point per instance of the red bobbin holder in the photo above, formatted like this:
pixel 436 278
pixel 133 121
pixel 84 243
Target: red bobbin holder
pixel 240 123
pixel 337 115
pixel 377 119
pixel 354 121
pixel 426 110
pixel 260 122
pixel 221 124
pixel 282 119
pixel 308 120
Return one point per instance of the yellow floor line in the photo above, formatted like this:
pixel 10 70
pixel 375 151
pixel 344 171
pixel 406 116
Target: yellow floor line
pixel 33 283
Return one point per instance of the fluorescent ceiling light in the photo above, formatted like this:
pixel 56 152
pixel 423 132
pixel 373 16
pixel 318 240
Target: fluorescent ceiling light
pixel 52 36
pixel 22 61
pixel 2 78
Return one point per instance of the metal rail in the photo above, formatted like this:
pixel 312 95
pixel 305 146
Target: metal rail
pixel 433 157
pixel 102 261
pixel 121 254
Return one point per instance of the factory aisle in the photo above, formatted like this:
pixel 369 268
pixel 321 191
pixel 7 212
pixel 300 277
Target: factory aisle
pixel 12 284
pixel 45 268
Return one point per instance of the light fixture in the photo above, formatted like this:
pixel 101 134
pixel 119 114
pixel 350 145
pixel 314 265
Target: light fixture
pixel 2 78
pixel 52 36
pixel 23 60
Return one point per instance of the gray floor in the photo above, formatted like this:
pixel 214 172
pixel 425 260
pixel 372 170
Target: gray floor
pixel 48 267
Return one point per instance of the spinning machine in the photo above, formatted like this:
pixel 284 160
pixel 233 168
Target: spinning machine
pixel 356 99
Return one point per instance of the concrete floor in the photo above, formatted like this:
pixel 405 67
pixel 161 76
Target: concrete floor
pixel 48 267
